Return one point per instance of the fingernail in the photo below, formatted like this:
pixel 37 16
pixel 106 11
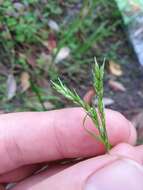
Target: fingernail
pixel 122 174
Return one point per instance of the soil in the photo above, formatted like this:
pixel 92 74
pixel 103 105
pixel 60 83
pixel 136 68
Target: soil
pixel 130 101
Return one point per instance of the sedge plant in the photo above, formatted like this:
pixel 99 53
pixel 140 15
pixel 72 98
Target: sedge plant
pixel 96 114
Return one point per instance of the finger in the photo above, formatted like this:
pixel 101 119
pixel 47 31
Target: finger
pixel 139 149
pixel 19 174
pixel 50 171
pixel 27 138
pixel 103 172
pixel 122 150
pixel 2 187
pixel 54 169
pixel 26 171
pixel 125 150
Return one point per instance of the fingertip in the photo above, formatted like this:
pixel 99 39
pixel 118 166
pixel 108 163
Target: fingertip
pixel 124 150
pixel 120 129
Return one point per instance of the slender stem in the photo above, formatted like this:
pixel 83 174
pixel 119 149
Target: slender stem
pixel 97 116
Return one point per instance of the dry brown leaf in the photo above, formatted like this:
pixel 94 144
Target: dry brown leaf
pixel 31 61
pixel 11 86
pixel 45 44
pixel 89 95
pixel 25 81
pixel 116 86
pixel 115 69
pixel 51 44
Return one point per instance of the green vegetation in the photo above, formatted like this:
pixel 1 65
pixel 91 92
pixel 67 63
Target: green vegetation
pixel 34 34
pixel 97 116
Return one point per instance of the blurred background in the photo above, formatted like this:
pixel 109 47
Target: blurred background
pixel 41 40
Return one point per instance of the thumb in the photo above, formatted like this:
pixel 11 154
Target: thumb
pixel 121 174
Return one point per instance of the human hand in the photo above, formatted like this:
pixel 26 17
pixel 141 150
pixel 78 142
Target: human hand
pixel 29 140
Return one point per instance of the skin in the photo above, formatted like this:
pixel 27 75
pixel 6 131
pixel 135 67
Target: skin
pixel 28 141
